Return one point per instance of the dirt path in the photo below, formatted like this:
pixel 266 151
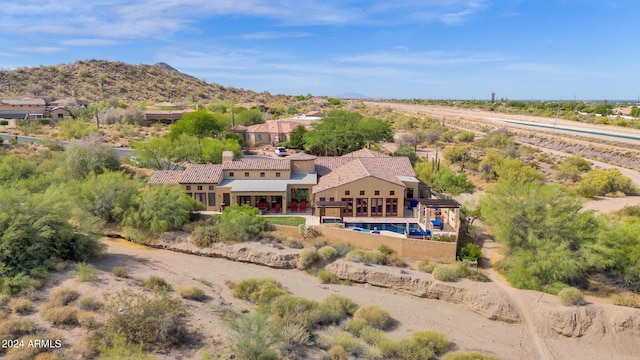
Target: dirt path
pixel 530 334
pixel 469 331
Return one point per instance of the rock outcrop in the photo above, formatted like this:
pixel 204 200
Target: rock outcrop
pixel 474 296
pixel 249 252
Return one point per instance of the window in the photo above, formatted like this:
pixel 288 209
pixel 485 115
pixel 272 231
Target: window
pixel 212 198
pixel 277 174
pixel 199 187
pixel 188 187
pixel 392 192
pixel 377 192
pixel 60 116
pixel 361 192
pixel 210 187
pixel 323 199
pixel 331 199
pixel 231 174
pixel 246 174
pixel 347 192
pixel 189 194
pixel 261 174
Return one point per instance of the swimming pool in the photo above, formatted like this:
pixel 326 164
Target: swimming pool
pixel 399 228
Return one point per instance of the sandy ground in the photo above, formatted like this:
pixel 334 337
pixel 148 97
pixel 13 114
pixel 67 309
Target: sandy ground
pixel 466 329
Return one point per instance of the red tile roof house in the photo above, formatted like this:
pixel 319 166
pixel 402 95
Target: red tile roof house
pixel 365 183
pixel 271 132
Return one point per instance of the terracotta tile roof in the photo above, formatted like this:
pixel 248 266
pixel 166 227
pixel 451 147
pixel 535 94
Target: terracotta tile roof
pixel 202 174
pixel 25 101
pixel 352 171
pixel 302 156
pixel 257 164
pixel 274 127
pixel 365 153
pixel 166 177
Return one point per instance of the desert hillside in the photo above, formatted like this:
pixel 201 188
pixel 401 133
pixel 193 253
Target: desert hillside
pixel 98 80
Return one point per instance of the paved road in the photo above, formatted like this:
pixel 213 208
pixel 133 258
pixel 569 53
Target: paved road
pixel 31 139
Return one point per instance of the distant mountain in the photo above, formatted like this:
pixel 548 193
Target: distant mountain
pixel 351 95
pixel 99 80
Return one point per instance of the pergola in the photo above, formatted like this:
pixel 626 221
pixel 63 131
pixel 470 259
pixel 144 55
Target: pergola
pixel 427 207
pixel 322 207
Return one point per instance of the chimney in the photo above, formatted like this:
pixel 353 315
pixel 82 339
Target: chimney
pixel 227 155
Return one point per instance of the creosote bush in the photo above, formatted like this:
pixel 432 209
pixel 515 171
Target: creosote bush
pixel 88 303
pixel 327 253
pixel 156 283
pixel 571 296
pixel 426 266
pixel 66 296
pixel 446 273
pixel 120 272
pixel 460 355
pixel 152 322
pixel 191 293
pixel 259 291
pixel 375 316
pixel 85 272
pixel 327 277
pixel 21 306
pixel 253 335
pixel 435 340
pixel 626 299
pixel 367 257
pixel 307 258
pixel 204 236
pixel 61 315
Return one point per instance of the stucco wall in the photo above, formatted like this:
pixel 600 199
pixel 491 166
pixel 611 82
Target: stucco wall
pixel 438 251
pixel 369 185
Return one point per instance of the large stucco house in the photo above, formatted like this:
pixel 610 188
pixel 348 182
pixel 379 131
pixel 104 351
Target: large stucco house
pixel 362 183
pixel 30 108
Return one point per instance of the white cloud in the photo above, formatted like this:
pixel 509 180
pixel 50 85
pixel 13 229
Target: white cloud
pixel 89 42
pixel 268 35
pixel 427 58
pixel 39 49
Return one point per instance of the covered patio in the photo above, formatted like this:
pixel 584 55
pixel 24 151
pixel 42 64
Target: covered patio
pixel 441 216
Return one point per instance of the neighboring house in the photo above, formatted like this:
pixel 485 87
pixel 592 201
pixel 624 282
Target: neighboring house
pixel 271 132
pixel 363 183
pixel 164 113
pixel 37 107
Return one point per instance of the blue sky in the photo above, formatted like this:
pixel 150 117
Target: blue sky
pixel 429 49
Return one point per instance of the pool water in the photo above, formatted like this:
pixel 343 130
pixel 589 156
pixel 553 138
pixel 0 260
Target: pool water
pixel 399 228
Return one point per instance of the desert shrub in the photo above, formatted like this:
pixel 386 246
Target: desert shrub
pixel 156 283
pixel 460 355
pixel 66 296
pixel 86 320
pixel 571 296
pixel 306 231
pixel 120 272
pixel 191 293
pixel 204 236
pixel 21 306
pixel 466 136
pixel 85 272
pixel 385 249
pixel 435 340
pixel 334 309
pixel 352 345
pixel 61 315
pixel 446 273
pixel 13 328
pixel 469 252
pixel 4 122
pixel 327 253
pixel 468 273
pixel 626 299
pixel 150 322
pixel 372 336
pixel 25 352
pixel 426 266
pixel 343 249
pixel 307 257
pixel 337 352
pixel 75 128
pixel 44 121
pixel 115 348
pixel 367 257
pixel 410 349
pixel 396 260
pixel 240 223
pixel 47 356
pixel 355 326
pixel 88 303
pixel 327 277
pixel 375 316
pixel 253 335
pixel 259 291
pixel 294 336
pixel 294 309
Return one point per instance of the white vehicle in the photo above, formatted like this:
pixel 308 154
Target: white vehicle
pixel 280 151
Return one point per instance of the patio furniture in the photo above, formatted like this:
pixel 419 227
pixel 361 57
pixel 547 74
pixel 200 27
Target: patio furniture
pixel 437 223
pixel 303 206
pixel 294 206
pixel 276 208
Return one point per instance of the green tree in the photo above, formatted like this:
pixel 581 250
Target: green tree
pixel 335 134
pixel 199 123
pixel 375 130
pixel 296 139
pixel 249 117
pixel 599 182
pixel 160 208
pixel 442 178
pixel 109 195
pixel 240 223
pixel 456 153
pixel 81 160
